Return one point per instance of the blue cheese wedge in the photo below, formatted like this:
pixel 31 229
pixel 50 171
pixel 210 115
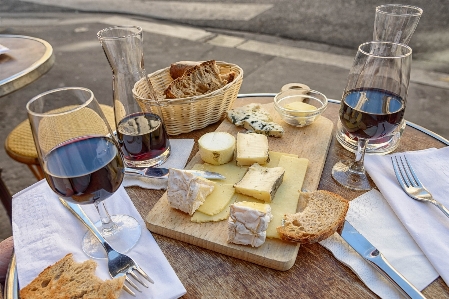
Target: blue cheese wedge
pixel 255 119
pixel 248 222
pixel 238 115
pixel 251 148
pixel 187 192
pixel 260 182
pixel 254 124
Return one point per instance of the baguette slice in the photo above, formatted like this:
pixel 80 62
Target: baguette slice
pixel 67 279
pixel 197 80
pixel 323 215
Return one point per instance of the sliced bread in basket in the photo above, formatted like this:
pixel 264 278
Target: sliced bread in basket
pixel 67 279
pixel 196 79
pixel 323 214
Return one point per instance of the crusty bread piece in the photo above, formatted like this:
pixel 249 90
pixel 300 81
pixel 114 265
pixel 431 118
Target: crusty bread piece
pixel 323 215
pixel 67 279
pixel 178 69
pixel 198 80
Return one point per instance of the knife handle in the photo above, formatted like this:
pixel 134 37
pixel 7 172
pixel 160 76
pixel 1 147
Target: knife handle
pixel 402 284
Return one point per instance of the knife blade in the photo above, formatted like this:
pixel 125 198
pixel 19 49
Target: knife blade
pixel 370 253
pixel 161 173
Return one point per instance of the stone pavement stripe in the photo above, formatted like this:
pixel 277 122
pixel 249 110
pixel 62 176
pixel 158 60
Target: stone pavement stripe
pixel 177 31
pixel 297 53
pixel 167 9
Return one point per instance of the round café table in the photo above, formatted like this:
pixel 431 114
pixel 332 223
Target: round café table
pixel 28 58
pixel 315 274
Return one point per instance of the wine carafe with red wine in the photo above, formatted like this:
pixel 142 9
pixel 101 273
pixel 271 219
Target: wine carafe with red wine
pixel 373 103
pixel 141 134
pixel 82 161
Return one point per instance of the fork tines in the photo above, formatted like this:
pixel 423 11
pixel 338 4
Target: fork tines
pixel 404 171
pixel 134 276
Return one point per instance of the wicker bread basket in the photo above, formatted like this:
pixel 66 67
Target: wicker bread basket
pixel 188 114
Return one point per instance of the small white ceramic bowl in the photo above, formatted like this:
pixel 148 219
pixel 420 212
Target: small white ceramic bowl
pixel 290 104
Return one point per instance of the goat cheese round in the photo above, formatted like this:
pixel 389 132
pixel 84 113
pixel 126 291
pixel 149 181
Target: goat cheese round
pixel 216 148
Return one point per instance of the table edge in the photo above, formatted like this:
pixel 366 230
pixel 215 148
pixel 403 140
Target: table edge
pixel 36 70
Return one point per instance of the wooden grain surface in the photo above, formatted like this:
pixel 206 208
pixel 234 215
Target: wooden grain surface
pixel 315 274
pixel 311 142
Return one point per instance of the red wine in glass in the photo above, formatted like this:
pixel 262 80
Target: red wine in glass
pixel 371 113
pixel 84 170
pixel 142 136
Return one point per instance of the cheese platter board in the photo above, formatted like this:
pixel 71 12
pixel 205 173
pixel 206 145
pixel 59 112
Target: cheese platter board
pixel 310 142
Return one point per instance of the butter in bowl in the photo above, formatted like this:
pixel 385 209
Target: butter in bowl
pixel 300 108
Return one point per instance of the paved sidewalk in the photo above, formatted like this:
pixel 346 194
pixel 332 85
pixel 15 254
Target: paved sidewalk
pixel 268 63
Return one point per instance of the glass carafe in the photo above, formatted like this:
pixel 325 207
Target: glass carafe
pixel 141 134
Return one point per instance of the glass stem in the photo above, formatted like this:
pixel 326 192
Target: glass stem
pixel 107 225
pixel 357 166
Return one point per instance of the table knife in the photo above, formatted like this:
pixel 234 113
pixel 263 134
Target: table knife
pixel 378 261
pixel 156 172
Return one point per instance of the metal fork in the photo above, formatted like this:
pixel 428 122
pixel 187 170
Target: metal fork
pixel 118 263
pixel 411 184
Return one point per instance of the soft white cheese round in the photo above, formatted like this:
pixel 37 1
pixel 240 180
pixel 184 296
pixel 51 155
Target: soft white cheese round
pixel 216 147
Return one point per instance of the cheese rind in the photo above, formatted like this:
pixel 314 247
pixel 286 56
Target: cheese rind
pixel 248 222
pixel 216 148
pixel 186 192
pixel 260 182
pixel 251 148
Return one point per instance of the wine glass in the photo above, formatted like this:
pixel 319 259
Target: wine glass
pixel 373 103
pixel 81 160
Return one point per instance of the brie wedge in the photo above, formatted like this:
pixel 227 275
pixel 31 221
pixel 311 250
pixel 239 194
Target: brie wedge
pixel 260 182
pixel 248 222
pixel 187 192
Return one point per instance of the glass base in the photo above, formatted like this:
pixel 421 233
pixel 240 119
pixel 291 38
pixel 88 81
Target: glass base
pixel 150 162
pixel 381 146
pixel 123 238
pixel 348 178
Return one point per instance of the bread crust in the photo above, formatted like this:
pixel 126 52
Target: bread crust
pixel 178 69
pixel 67 279
pixel 301 227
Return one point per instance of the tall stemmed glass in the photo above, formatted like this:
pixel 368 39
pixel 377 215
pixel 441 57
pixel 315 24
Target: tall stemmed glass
pixel 373 102
pixel 81 160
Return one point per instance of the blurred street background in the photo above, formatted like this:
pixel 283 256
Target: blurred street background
pixel 275 42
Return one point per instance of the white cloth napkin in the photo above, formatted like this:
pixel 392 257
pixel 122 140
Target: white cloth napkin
pixel 45 231
pixel 180 152
pixel 3 49
pixel 428 226
pixel 371 215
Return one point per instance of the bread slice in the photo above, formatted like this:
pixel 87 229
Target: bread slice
pixel 67 279
pixel 178 69
pixel 323 215
pixel 197 80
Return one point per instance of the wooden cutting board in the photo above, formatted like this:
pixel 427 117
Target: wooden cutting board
pixel 311 142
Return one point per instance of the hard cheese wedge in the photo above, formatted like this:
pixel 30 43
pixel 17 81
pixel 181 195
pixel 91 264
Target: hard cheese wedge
pixel 223 215
pixel 286 198
pixel 217 200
